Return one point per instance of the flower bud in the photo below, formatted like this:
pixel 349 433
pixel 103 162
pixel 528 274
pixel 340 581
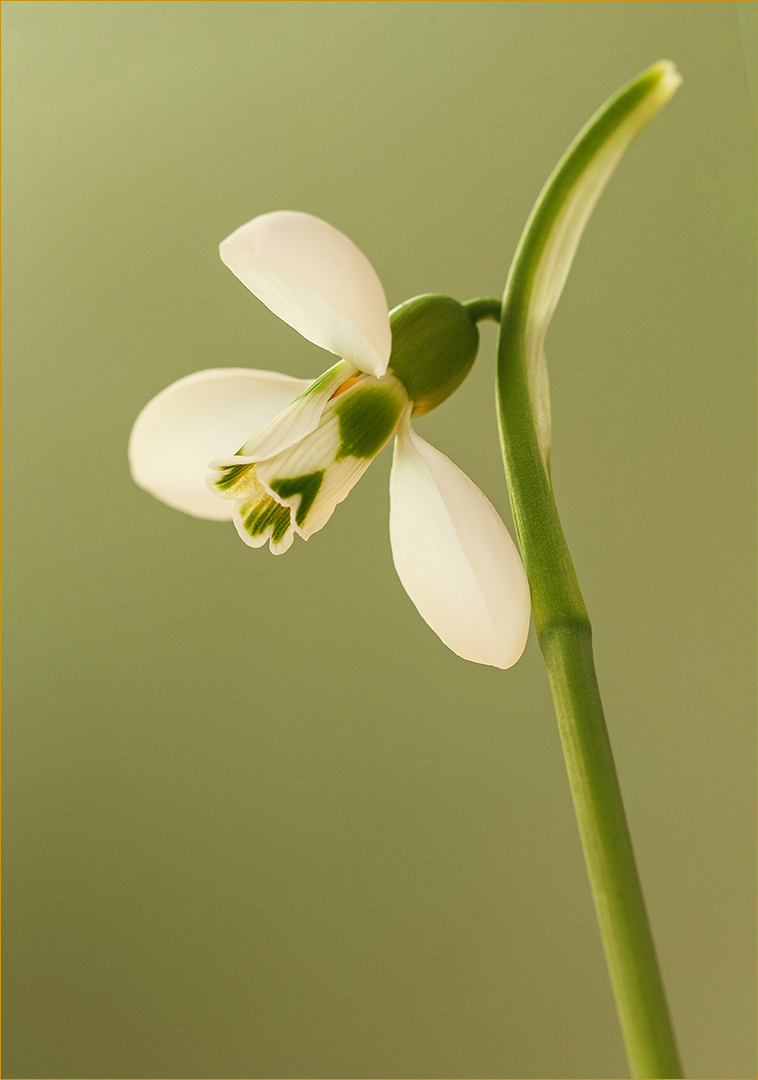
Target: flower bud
pixel 434 345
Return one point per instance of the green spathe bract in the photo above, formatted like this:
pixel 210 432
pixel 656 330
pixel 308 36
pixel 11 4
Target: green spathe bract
pixel 434 345
pixel 555 226
pixel 367 418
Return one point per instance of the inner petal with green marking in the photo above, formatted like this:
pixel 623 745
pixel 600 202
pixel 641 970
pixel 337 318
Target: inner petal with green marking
pixel 367 418
pixel 297 489
pixel 305 486
pixel 236 481
pixel 265 519
pixel 319 471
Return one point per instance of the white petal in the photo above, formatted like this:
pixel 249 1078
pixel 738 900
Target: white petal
pixel 314 476
pixel 196 419
pixel 230 478
pixel 313 461
pixel 300 418
pixel 297 490
pixel 455 557
pixel 316 279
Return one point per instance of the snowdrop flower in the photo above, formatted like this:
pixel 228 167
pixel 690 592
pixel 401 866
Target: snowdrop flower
pixel 283 452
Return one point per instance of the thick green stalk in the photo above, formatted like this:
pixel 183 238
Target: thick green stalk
pixel 535 282
pixel 564 634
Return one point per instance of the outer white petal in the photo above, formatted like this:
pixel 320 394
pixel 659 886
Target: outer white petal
pixel 455 557
pixel 316 279
pixel 201 417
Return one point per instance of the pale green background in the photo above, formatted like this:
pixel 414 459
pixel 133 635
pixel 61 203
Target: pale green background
pixel 259 822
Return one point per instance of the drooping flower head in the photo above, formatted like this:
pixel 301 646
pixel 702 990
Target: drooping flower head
pixel 277 454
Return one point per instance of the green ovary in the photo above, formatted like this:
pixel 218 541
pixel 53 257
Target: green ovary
pixel 434 344
pixel 367 417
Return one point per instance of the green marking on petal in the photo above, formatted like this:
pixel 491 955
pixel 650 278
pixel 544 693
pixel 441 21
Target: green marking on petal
pixel 367 418
pixel 258 516
pixel 230 475
pixel 307 487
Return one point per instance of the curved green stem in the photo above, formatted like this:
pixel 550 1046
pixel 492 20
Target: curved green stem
pixel 563 627
pixel 564 633
pixel 484 307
